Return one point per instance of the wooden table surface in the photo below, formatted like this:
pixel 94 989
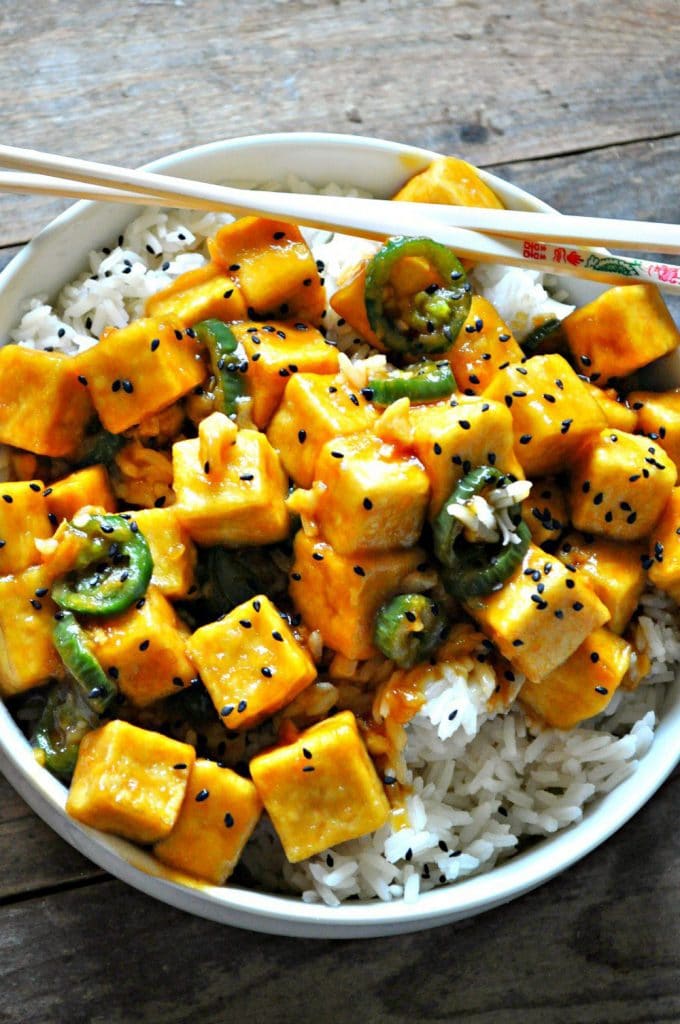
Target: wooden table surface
pixel 576 101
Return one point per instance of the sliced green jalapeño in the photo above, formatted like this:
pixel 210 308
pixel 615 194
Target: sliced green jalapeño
pixel 227 360
pixel 409 628
pixel 425 321
pixel 423 382
pixel 112 570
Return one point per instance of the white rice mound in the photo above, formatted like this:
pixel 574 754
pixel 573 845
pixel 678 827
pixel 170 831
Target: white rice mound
pixel 481 784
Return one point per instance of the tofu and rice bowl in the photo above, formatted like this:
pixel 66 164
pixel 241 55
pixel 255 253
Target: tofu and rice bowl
pixel 332 567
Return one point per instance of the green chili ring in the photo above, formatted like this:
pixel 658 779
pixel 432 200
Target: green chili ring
pixel 474 570
pixel 120 564
pixel 409 628
pixel 227 360
pixel 475 574
pixel 435 315
pixel 65 720
pixel 422 382
pixel 548 329
pixel 71 644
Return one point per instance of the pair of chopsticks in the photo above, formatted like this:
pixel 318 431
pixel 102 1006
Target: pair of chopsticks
pixel 556 243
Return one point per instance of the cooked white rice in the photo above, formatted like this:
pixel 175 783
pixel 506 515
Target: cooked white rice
pixel 481 783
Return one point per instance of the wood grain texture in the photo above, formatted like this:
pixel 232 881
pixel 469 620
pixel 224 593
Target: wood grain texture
pixel 598 944
pixel 497 82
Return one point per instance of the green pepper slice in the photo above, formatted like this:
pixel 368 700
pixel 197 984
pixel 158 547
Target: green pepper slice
pixel 422 382
pixel 474 570
pixel 71 644
pixel 427 321
pixel 534 340
pixel 120 567
pixel 409 628
pixel 65 720
pixel 228 362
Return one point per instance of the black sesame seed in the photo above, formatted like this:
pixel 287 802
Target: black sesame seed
pixel 144 646
pixel 226 710
pixel 202 795
pixel 525 439
pixel 266 672
pixel 602 690
pixel 241 707
pixel 277 636
pixel 358 570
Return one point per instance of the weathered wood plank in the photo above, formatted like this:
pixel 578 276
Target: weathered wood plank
pixel 597 944
pixel 508 82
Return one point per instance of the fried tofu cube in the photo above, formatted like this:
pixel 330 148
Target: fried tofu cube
pixel 541 614
pixel 243 503
pixel 372 498
pixel 217 818
pixel 139 370
pixel 143 649
pixel 273 267
pixel 130 781
pixel 552 411
pixel 275 351
pixel 658 416
pixel 451 438
pixel 89 486
pixel 315 409
pixel 451 181
pixel 620 484
pixel 250 663
pixel 546 511
pixel 620 331
pixel 339 595
pixel 44 406
pixel 172 551
pixel 197 295
pixel 349 303
pixel 664 550
pixel 614 571
pixel 23 517
pixel 616 412
pixel 322 789
pixel 583 685
pixel 484 343
pixel 27 654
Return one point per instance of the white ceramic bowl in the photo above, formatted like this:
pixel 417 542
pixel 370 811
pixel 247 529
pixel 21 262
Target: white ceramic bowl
pixel 56 256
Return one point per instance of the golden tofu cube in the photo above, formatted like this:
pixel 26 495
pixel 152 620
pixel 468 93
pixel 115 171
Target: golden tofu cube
pixel 552 411
pixel 250 663
pixel 349 303
pixel 172 551
pixel 217 818
pixel 275 351
pixel 130 781
pixel 451 438
pixel 242 504
pixel 143 649
pixel 89 486
pixel 620 331
pixel 541 614
pixel 322 789
pixel 616 412
pixel 620 484
pixel 450 181
pixel 196 295
pixel 315 409
pixel 27 654
pixel 373 498
pixel 664 550
pixel 583 685
pixel 545 511
pixel 339 595
pixel 484 343
pixel 273 267
pixel 139 370
pixel 44 406
pixel 658 416
pixel 614 571
pixel 23 517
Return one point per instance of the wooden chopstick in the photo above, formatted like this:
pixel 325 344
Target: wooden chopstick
pixel 373 218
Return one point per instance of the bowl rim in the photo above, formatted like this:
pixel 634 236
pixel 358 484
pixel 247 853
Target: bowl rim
pixel 288 914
